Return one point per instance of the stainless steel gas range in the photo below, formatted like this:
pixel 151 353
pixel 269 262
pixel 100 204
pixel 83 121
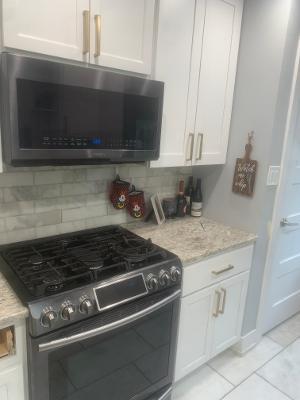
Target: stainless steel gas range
pixel 103 318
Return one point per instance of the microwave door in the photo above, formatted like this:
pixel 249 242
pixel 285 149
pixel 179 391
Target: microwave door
pixel 60 113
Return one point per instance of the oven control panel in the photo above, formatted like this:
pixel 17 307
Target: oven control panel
pixel 76 305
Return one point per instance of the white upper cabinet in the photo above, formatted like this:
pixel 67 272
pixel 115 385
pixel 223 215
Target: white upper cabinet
pixel 122 34
pixel 111 33
pixel 172 66
pixel 52 27
pixel 197 53
pixel 215 53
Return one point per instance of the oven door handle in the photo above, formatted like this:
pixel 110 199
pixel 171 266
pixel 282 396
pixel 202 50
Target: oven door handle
pixel 164 396
pixel 55 344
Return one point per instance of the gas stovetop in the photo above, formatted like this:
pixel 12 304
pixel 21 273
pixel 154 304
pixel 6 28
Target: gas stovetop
pixel 64 263
pixel 60 278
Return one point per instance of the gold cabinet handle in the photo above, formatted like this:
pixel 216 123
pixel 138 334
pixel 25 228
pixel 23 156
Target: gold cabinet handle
pixel 200 146
pixel 98 35
pixel 221 311
pixel 86 32
pixel 216 312
pixel 222 271
pixel 190 146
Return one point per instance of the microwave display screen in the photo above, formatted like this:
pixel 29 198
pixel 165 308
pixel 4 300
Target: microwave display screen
pixel 57 116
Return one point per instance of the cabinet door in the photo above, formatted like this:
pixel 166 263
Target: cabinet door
pixel 52 27
pixel 215 51
pixel 122 34
pixel 194 332
pixel 11 384
pixel 172 66
pixel 230 312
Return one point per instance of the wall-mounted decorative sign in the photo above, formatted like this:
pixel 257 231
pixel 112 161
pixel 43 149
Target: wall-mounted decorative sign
pixel 245 171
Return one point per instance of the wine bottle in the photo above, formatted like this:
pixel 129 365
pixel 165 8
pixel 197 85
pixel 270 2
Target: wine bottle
pixel 197 199
pixel 189 190
pixel 181 201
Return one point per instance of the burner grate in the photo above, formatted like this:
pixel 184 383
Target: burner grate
pixel 49 266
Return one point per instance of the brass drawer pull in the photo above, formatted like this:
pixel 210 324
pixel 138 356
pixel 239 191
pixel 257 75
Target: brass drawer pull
pixel 222 271
pixel 190 146
pixel 98 35
pixel 200 146
pixel 216 312
pixel 86 32
pixel 221 311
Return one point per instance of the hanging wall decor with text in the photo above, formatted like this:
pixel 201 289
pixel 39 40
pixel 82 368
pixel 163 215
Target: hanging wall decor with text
pixel 245 171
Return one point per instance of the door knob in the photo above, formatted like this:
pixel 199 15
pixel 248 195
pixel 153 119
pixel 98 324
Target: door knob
pixel 285 222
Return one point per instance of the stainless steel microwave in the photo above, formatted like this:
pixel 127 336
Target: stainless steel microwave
pixel 55 113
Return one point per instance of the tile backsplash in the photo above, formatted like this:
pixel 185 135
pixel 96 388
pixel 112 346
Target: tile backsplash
pixel 38 202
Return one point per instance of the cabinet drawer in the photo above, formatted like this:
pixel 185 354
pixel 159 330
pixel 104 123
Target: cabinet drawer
pixel 216 269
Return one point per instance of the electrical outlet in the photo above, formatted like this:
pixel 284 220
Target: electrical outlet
pixel 273 175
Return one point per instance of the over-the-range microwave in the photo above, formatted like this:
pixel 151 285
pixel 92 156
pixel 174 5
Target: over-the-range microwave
pixel 57 113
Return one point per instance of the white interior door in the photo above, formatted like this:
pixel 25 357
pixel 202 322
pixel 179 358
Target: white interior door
pixel 283 290
pixel 122 34
pixel 52 27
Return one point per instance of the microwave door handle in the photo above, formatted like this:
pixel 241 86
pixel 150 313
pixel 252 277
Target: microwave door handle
pixel 55 344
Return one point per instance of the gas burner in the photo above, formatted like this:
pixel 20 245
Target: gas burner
pixel 55 287
pixel 135 249
pixel 36 259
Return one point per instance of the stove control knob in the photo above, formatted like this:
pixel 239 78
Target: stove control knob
pixel 152 282
pixel 86 306
pixel 47 318
pixel 175 274
pixel 164 278
pixel 67 312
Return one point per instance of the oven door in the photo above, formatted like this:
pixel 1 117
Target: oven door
pixel 124 354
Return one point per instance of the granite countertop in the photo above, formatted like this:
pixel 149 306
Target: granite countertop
pixel 11 307
pixel 193 239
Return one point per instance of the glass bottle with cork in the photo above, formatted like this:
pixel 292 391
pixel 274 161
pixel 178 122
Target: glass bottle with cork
pixel 181 201
pixel 189 191
pixel 197 200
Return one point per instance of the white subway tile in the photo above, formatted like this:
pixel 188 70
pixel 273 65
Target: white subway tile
pixel 83 213
pixel 11 179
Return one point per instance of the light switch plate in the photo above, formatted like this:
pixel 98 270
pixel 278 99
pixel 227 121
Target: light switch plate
pixel 273 175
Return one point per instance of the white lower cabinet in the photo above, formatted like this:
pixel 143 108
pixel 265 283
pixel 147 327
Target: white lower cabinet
pixel 13 368
pixel 210 322
pixel 193 340
pixel 11 384
pixel 227 323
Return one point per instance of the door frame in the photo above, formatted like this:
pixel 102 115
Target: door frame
pixel 292 118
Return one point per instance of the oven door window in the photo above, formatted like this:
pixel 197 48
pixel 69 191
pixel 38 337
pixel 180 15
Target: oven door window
pixel 118 365
pixel 56 116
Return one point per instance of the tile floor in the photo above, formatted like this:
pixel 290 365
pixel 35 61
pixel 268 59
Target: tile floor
pixel 270 371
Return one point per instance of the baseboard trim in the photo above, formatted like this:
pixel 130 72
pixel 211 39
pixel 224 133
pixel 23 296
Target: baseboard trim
pixel 247 342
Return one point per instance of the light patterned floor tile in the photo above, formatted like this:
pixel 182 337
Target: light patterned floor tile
pixel 283 371
pixel 255 388
pixel 287 332
pixel 203 384
pixel 236 368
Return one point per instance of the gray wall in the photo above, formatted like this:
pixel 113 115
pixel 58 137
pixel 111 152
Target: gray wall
pixel 267 53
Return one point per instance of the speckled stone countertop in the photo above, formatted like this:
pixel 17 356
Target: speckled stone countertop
pixel 11 307
pixel 193 239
